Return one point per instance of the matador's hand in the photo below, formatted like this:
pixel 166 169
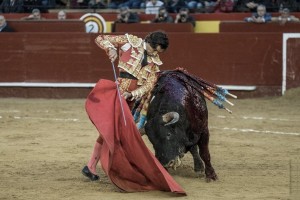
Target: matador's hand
pixel 127 95
pixel 112 54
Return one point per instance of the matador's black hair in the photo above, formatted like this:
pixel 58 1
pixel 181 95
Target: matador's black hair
pixel 157 38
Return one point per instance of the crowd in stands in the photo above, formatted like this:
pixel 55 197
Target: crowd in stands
pixel 150 6
pixel 262 16
pixel 161 16
pixel 261 9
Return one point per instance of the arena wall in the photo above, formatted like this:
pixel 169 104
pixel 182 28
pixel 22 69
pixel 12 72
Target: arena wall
pixel 240 26
pixel 253 60
pixel 52 58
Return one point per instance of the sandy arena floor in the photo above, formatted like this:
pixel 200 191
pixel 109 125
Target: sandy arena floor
pixel 255 151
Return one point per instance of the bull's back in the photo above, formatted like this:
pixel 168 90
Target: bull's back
pixel 166 97
pixel 174 93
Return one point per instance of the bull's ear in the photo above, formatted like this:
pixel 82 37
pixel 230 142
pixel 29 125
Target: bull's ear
pixel 170 118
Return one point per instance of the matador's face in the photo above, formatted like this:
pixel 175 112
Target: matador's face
pixel 153 52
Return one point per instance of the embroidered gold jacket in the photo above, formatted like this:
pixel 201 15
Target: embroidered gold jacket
pixel 131 53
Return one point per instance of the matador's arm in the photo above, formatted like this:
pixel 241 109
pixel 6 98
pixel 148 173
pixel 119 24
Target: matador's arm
pixel 145 88
pixel 106 42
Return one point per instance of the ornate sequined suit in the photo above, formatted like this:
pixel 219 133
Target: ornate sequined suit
pixel 137 75
pixel 131 54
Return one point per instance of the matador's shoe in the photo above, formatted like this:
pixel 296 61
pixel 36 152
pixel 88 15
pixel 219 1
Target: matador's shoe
pixel 86 172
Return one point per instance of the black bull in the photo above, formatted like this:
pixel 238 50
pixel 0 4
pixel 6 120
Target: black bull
pixel 177 122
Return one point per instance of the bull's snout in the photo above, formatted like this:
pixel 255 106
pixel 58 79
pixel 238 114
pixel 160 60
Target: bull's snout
pixel 174 163
pixel 171 163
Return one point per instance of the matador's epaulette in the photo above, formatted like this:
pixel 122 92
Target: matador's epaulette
pixel 157 60
pixel 134 40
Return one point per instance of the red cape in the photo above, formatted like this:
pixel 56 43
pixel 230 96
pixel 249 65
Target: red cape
pixel 125 158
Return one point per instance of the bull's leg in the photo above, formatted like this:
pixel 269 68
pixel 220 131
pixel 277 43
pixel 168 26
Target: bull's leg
pixel 205 156
pixel 198 165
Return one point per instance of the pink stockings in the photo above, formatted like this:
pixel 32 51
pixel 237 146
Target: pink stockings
pixel 95 156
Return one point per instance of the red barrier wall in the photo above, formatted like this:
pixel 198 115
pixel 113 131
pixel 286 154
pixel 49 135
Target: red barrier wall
pixel 226 59
pixel 142 28
pixel 238 26
pixel 47 26
pixel 51 57
pixel 293 63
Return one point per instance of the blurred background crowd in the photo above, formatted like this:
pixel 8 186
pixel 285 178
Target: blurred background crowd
pixel 150 6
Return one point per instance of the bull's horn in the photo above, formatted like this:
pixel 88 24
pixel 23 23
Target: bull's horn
pixel 170 118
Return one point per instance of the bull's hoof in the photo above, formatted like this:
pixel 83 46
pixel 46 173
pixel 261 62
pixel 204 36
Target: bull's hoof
pixel 200 173
pixel 212 177
pixel 199 169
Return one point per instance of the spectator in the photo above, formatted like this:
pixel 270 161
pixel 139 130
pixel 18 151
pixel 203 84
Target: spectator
pixel 115 4
pixel 152 6
pixel 4 26
pixel 81 4
pixel 224 6
pixel 47 4
pixel 125 16
pixel 135 4
pixel 61 15
pixel 290 4
pixel 209 6
pixel 12 6
pixel 248 5
pixel 36 15
pixel 195 5
pixel 173 6
pixel 97 4
pixel 184 17
pixel 61 3
pixel 163 16
pixel 271 5
pixel 285 17
pixel 29 5
pixel 261 16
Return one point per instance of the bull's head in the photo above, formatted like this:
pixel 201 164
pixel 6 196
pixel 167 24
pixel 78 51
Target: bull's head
pixel 168 135
pixel 170 118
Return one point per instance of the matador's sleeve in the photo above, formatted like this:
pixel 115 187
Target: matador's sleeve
pixel 146 87
pixel 110 41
